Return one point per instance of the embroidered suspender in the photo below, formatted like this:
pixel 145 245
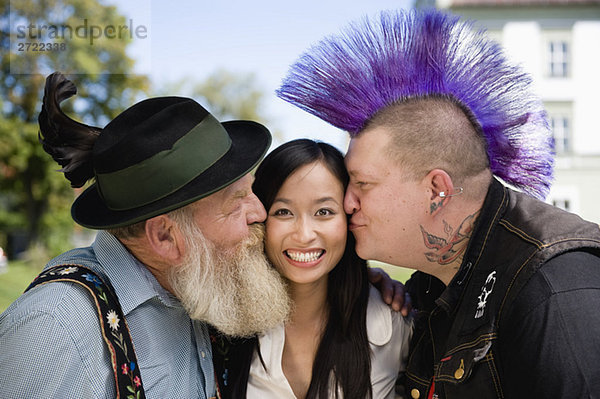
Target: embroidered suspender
pixel 114 327
pixel 231 359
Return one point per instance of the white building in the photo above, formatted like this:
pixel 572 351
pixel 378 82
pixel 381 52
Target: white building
pixel 558 43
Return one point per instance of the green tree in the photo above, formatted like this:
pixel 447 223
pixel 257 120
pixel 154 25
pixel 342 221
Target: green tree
pixel 34 199
pixel 227 96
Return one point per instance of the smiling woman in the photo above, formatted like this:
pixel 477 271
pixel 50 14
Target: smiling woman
pixel 338 322
pixel 306 226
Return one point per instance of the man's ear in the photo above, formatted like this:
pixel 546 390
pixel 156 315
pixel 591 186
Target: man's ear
pixel 440 184
pixel 165 238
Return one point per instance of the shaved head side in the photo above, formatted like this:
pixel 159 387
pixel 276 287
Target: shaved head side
pixel 429 133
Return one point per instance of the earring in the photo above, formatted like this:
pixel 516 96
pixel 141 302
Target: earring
pixel 443 194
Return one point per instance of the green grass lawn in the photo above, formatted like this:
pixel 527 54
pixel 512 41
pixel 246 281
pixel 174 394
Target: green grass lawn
pixel 20 274
pixel 14 281
pixel 396 272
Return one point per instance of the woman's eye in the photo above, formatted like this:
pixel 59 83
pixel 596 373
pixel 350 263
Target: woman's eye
pixel 325 212
pixel 282 212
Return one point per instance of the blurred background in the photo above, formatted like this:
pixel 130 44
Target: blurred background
pixel 231 56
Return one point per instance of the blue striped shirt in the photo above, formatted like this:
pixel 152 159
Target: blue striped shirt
pixel 51 345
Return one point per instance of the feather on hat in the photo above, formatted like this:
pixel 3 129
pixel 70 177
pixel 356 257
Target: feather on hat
pixel 346 79
pixel 157 155
pixel 69 142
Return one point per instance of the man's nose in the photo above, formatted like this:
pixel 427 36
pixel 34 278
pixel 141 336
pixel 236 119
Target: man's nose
pixel 351 202
pixel 257 213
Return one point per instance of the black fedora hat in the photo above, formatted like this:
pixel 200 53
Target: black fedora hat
pixel 161 154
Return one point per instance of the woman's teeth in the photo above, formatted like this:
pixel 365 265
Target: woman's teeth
pixel 304 256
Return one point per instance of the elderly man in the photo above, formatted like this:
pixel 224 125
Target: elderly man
pixel 179 245
pixel 507 286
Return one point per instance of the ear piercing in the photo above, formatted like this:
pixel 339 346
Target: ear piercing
pixel 443 194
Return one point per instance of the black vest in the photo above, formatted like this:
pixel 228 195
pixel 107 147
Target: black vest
pixel 455 339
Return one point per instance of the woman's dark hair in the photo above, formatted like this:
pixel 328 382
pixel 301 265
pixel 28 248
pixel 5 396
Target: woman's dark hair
pixel 344 348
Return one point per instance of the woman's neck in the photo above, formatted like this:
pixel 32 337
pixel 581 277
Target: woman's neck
pixel 303 334
pixel 310 302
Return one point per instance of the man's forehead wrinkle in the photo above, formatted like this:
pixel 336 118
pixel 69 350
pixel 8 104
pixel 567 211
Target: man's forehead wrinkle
pixel 242 187
pixel 241 193
pixel 232 190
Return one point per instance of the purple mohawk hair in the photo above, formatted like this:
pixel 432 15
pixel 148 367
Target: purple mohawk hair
pixel 345 80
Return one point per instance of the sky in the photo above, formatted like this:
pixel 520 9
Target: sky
pixel 192 39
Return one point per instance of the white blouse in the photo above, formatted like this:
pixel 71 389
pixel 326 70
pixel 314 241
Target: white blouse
pixel 388 332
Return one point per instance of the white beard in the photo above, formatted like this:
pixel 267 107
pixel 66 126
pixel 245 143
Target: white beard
pixel 236 291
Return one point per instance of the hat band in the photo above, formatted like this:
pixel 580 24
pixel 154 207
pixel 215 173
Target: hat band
pixel 167 171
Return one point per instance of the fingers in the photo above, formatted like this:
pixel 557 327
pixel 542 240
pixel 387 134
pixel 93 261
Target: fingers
pixel 407 308
pixel 382 281
pixel 399 298
pixel 376 274
pixel 392 292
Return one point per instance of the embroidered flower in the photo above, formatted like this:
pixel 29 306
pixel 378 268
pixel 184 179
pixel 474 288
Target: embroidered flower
pixel 137 381
pixel 132 365
pixel 124 368
pixel 113 320
pixel 68 270
pixel 92 279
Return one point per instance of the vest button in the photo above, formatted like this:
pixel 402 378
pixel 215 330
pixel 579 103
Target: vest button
pixel 458 374
pixel 415 394
pixel 460 371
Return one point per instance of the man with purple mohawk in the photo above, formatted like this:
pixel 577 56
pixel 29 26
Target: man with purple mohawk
pixel 507 287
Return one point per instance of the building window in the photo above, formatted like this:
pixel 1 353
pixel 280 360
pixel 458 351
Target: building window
pixel 560 115
pixel 567 197
pixel 562 203
pixel 558 56
pixel 561 133
pixel 557 48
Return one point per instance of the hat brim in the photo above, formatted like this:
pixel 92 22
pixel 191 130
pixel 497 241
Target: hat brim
pixel 250 142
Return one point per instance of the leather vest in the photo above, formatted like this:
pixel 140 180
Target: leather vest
pixel 455 343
